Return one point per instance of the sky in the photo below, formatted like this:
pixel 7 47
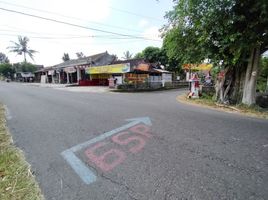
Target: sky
pixel 105 26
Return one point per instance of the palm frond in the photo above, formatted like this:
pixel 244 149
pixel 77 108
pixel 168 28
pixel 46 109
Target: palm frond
pixel 21 47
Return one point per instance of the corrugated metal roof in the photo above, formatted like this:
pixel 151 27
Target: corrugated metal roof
pixel 83 61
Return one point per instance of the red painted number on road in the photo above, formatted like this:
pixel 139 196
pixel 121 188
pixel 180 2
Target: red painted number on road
pixel 104 161
pixel 141 129
pixel 120 139
pixel 101 160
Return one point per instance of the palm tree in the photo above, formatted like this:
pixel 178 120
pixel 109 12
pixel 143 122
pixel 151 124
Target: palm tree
pixel 127 55
pixel 65 57
pixel 80 55
pixel 22 48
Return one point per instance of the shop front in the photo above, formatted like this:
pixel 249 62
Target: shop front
pixel 100 75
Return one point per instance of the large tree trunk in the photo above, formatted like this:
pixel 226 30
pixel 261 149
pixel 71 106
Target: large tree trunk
pixel 236 92
pixel 223 86
pixel 249 91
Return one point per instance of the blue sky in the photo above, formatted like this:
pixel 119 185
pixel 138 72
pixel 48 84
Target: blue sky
pixel 138 18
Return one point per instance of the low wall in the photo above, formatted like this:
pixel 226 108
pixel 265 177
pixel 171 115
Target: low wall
pixel 152 86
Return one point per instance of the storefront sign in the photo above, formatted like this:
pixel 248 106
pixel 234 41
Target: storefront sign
pixel 140 78
pixel 70 70
pixel 109 69
pixel 198 67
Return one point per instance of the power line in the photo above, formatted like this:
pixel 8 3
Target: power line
pixel 74 37
pixel 135 14
pixel 61 36
pixel 76 25
pixel 75 18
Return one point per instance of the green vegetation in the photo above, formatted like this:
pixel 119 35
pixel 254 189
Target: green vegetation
pixel 22 48
pixel 262 82
pixel 231 34
pixel 127 55
pixel 3 58
pixel 16 179
pixel 208 102
pixel 6 70
pixel 159 55
pixel 65 57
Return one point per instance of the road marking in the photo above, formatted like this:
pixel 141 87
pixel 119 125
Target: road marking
pixel 266 145
pixel 7 112
pixel 133 122
pixel 83 171
pixel 79 167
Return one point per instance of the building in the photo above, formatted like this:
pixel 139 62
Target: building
pixel 134 71
pixel 72 71
pixel 24 76
pixel 97 70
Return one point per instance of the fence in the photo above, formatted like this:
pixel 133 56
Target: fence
pixel 153 85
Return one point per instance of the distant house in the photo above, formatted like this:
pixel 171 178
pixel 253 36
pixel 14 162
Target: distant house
pixel 24 76
pixel 101 68
pixel 72 71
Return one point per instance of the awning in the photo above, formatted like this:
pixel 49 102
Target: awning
pixel 162 71
pixel 70 70
pixel 109 69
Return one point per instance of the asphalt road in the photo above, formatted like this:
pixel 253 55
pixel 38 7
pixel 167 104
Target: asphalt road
pixel 80 146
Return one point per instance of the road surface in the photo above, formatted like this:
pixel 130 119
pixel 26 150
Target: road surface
pixel 81 146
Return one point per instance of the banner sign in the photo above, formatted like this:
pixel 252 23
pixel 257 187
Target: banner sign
pixel 199 67
pixel 109 69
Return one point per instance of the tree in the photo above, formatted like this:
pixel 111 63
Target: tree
pixel 230 33
pixel 6 70
pixel 263 75
pixel 139 55
pixel 65 57
pixel 80 55
pixel 115 57
pixel 24 67
pixel 127 55
pixel 21 48
pixel 159 55
pixel 27 67
pixel 155 55
pixel 3 58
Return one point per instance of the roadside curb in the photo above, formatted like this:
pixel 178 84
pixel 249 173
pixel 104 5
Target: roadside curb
pixel 219 107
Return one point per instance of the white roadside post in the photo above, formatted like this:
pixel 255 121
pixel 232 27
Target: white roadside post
pixel 68 81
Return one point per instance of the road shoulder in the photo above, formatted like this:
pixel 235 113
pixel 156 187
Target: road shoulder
pixel 228 109
pixel 16 179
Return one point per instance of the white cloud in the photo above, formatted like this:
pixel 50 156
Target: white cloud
pixel 51 50
pixel 143 23
pixel 152 33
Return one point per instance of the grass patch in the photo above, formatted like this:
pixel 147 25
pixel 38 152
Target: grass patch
pixel 208 102
pixel 16 179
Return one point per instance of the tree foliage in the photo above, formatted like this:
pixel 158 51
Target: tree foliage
pixel 6 70
pixel 232 33
pixel 24 67
pixel 127 55
pixel 65 57
pixel 263 75
pixel 3 58
pixel 22 48
pixel 80 55
pixel 28 67
pixel 139 55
